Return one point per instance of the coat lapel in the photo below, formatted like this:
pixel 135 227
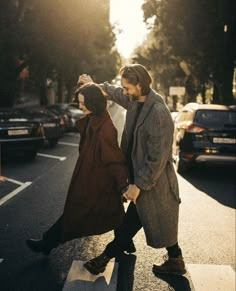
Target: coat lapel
pixel 145 110
pixel 130 118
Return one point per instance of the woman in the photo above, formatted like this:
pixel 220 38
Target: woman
pixel 94 203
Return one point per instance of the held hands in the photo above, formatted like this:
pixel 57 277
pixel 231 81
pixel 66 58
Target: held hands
pixel 132 193
pixel 84 79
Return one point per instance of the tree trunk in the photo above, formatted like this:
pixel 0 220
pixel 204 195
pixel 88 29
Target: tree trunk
pixel 227 86
pixel 59 87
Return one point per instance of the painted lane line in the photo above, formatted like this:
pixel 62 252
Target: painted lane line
pixel 212 277
pixel 1 260
pixel 80 279
pixel 51 156
pixel 68 143
pixel 14 192
pixel 14 181
pixel 72 134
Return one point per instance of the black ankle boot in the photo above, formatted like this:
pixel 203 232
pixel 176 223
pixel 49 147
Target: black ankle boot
pixel 38 246
pixel 130 249
pixel 97 265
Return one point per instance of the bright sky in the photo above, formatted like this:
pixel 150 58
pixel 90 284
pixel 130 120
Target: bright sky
pixel 127 15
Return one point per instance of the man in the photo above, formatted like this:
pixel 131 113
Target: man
pixel 153 190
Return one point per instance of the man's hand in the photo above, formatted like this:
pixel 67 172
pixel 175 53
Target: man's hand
pixel 132 193
pixel 84 79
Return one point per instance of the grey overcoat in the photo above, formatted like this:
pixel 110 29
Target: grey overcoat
pixel 158 202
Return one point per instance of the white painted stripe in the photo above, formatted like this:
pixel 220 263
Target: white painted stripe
pixel 68 143
pixel 212 277
pixel 80 279
pixel 14 181
pixel 51 156
pixel 1 260
pixel 14 192
pixel 72 133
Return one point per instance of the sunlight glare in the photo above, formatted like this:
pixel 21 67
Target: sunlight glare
pixel 127 15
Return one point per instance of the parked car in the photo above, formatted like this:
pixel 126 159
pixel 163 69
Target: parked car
pixel 50 122
pixel 204 133
pixel 19 134
pixel 71 114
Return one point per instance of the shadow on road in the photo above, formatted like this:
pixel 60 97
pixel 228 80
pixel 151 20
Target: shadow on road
pixel 175 283
pixel 217 182
pixel 37 276
pixel 125 278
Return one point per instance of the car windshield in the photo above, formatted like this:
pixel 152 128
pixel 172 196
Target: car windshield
pixel 216 118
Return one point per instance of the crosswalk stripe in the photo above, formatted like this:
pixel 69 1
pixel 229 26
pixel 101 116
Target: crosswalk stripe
pixel 80 279
pixel 212 277
pixel 51 156
pixel 204 277
pixel 68 143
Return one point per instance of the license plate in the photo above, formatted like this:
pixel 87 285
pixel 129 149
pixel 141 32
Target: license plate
pixel 49 125
pixel 224 140
pixel 18 131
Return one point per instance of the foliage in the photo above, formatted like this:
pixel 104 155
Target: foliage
pixel 60 39
pixel 193 32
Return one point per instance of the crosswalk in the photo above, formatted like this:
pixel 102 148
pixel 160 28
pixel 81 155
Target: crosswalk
pixel 80 279
pixel 204 277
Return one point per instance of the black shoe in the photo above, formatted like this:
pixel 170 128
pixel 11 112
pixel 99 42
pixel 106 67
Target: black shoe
pixel 130 248
pixel 97 265
pixel 38 246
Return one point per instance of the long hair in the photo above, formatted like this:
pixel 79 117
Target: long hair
pixel 137 74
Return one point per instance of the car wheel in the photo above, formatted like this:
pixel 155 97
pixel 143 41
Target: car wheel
pixel 52 142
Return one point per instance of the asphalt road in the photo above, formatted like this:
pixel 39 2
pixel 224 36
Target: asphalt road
pixel 206 228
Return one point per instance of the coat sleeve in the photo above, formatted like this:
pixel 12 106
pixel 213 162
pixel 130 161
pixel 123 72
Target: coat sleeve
pixel 115 94
pixel 158 147
pixel 112 157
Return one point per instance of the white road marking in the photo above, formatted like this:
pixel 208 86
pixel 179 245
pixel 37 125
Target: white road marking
pixel 212 277
pixel 72 133
pixel 1 260
pixel 80 279
pixel 68 143
pixel 14 192
pixel 14 181
pixel 51 156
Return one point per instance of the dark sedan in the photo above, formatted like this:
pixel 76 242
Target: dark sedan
pixel 19 134
pixel 204 133
pixel 70 112
pixel 50 122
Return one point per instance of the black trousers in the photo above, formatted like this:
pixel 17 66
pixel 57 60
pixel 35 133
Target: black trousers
pixel 52 237
pixel 127 230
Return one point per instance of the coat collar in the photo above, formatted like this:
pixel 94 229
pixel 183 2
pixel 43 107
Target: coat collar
pixel 93 121
pixel 148 103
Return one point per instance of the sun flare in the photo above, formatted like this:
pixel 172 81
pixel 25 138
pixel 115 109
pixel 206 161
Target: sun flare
pixel 128 18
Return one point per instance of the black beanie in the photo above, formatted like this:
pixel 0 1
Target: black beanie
pixel 94 99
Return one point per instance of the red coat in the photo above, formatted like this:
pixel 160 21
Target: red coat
pixel 94 205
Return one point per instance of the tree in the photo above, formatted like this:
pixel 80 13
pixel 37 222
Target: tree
pixel 12 60
pixel 201 33
pixel 71 37
pixel 66 37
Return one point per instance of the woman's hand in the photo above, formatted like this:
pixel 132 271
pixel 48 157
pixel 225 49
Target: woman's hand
pixel 84 79
pixel 132 193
